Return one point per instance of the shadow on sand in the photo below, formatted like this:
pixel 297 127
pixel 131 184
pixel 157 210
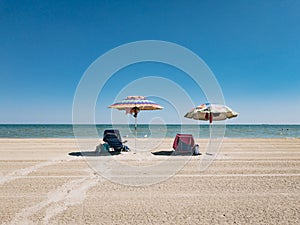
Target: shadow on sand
pixel 96 153
pixel 164 153
pixel 173 153
pixel 93 153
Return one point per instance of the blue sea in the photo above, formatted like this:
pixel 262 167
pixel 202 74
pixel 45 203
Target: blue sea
pixel 149 131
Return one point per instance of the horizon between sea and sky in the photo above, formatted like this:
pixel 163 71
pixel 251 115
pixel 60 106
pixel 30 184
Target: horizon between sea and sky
pixel 252 48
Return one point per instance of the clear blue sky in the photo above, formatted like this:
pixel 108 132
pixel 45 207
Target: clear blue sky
pixel 253 48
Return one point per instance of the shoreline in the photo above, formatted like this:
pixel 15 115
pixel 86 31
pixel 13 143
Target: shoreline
pixel 148 138
pixel 150 131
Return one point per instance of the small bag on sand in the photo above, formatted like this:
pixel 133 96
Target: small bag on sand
pixel 99 148
pixel 196 150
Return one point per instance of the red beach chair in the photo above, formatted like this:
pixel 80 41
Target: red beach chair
pixel 183 144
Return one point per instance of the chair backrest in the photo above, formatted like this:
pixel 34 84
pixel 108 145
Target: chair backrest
pixel 113 138
pixel 113 131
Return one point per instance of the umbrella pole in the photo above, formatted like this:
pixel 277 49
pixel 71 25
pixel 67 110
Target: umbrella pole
pixel 210 122
pixel 135 129
pixel 209 131
pixel 208 152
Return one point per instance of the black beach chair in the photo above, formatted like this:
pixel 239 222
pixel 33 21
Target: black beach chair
pixel 114 140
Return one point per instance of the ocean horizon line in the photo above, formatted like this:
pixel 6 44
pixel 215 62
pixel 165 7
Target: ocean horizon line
pixel 177 124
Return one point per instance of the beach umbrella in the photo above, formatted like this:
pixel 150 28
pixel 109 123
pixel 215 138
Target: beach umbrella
pixel 211 112
pixel 134 104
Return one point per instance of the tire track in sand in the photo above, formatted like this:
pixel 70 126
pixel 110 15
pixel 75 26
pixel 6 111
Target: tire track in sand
pixel 20 173
pixel 57 201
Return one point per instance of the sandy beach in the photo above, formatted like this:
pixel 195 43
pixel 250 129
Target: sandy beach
pixel 252 181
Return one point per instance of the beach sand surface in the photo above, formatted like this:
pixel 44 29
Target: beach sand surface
pixel 251 181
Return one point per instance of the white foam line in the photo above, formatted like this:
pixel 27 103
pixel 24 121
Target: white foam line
pixel 58 200
pixel 25 171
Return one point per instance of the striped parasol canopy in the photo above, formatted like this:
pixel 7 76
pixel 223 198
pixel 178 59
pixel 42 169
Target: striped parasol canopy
pixel 209 111
pixel 134 104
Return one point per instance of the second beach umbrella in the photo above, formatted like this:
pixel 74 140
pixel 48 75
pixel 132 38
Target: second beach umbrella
pixel 211 112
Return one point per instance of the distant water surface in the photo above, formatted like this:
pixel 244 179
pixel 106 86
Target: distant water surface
pixel 148 131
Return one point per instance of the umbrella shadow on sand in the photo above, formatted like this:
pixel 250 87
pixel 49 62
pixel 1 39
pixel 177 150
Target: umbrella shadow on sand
pixel 173 153
pixel 93 153
pixel 163 153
